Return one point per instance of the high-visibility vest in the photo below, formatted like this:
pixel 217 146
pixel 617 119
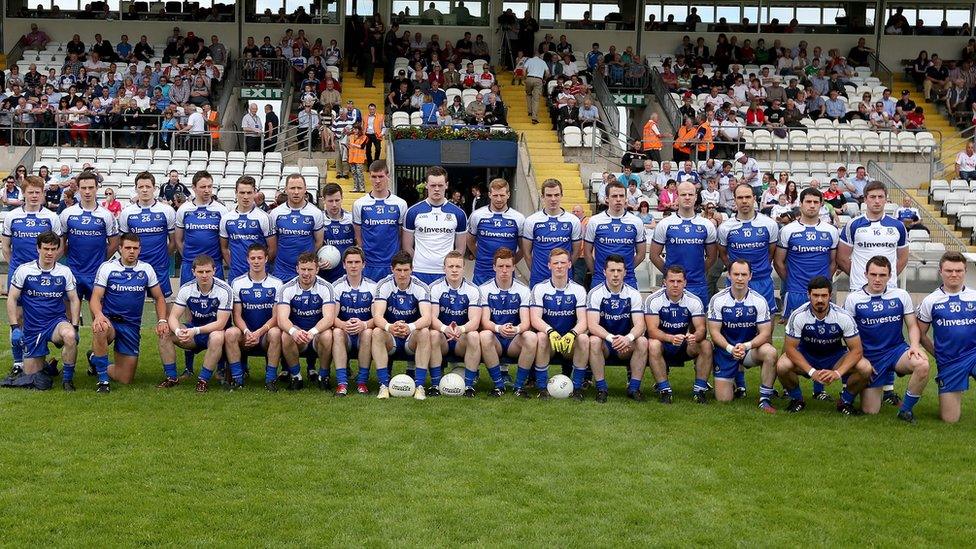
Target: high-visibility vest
pixel 377 125
pixel 652 139
pixel 357 149
pixel 215 129
pixel 705 143
pixel 685 134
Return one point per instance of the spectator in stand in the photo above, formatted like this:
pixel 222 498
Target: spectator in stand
pixel 568 114
pixel 667 201
pixel 859 54
pixel 755 114
pixel 628 177
pixel 956 98
pixel 12 195
pixel 711 192
pixel 111 203
pixel 634 196
pixel 35 39
pixel 966 162
pixel 936 80
pixel 835 108
pixel 915 119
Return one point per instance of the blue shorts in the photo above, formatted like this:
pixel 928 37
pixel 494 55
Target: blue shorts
pixel 505 342
pixel 200 340
pixel 84 285
pixel 36 342
pixel 614 359
pixel 186 271
pixel 675 355
pixel 353 343
pixel 884 365
pixel 726 367
pixel 377 273
pixel 701 292
pixel 824 362
pixel 428 278
pixel 257 350
pixel 164 284
pixel 127 337
pixel 792 301
pixel 480 278
pixel 400 350
pixel 452 347
pixel 952 378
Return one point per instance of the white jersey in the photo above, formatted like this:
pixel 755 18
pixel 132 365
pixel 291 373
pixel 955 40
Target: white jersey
pixel 434 230
pixel 869 238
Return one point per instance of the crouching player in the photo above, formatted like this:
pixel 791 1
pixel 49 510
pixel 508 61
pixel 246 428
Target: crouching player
pixel 117 299
pixel 255 331
pixel 558 314
pixel 615 320
pixel 401 313
pixel 455 313
pixel 505 324
pixel 880 311
pixel 816 334
pixel 676 333
pixel 739 323
pixel 306 310
pixel 353 331
pixel 208 301
pixel 41 288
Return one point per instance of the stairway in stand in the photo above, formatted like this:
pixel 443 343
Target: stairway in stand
pixel 354 89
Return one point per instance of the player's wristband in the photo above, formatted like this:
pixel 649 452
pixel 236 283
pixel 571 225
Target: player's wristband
pixel 412 326
pixel 196 330
pixel 498 329
pixel 464 330
pixel 574 333
pixel 14 326
pixel 729 348
pixel 387 327
pixel 631 337
pixel 550 331
pixel 162 321
pixel 811 372
pixel 313 332
pixel 518 330
pixel 748 345
pixel 443 329
pixel 609 338
pixel 293 330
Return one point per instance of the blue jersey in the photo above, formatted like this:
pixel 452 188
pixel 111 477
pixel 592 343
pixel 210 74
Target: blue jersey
pixel 867 238
pixel 125 289
pixel 296 231
pixel 203 307
pixel 153 224
pixel 434 229
pixel 402 304
pixel 880 318
pixel 615 235
pixel 339 233
pixel 616 309
pixel 257 299
pixel 240 230
pixel 306 303
pixel 43 294
pixel 740 319
pixel 453 303
pixel 87 233
pixel 493 230
pixel 808 249
pixel 674 317
pixel 201 230
pixel 505 305
pixel 559 305
pixel 354 302
pixel 821 338
pixel 22 228
pixel 546 233
pixel 750 240
pixel 379 221
pixel 953 321
pixel 685 242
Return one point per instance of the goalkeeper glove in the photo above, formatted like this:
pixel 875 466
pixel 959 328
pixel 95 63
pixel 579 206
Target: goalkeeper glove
pixel 568 341
pixel 555 342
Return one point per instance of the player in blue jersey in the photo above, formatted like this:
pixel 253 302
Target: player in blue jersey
pixel 687 239
pixel 91 234
pixel 455 313
pixel 207 301
pixel 244 226
pixel 338 230
pixel 36 306
pixel 739 323
pixel 615 321
pixel 155 223
pixel 298 225
pixel 822 343
pixel 951 313
pixel 549 228
pixel 558 315
pixel 255 324
pixel 505 322
pixel 198 227
pixel 676 333
pixel 402 317
pixel 493 227
pixel 377 219
pixel 880 311
pixel 352 335
pixel 306 311
pixel 433 227
pixel 116 304
pixel 615 231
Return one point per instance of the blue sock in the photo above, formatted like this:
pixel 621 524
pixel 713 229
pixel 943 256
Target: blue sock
pixel 362 376
pixel 101 368
pixel 765 392
pixel 383 375
pixel 495 373
pixel 740 379
pixel 662 386
pixel 69 372
pixel 579 374
pixel 909 401
pixel 541 377
pixel 323 374
pixel 342 376
pixel 295 371
pixel 817 387
pixel 206 374
pixel 470 376
pixel 169 370
pixel 270 373
pixel 237 372
pixel 796 393
pixel 846 397
pixel 436 373
pixel 420 376
pixel 601 385
pixel 634 385
pixel 17 350
pixel 701 385
pixel 521 376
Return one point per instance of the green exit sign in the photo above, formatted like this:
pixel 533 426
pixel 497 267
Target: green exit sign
pixel 262 93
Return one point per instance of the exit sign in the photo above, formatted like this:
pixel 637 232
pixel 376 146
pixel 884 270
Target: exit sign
pixel 262 93
pixel 629 99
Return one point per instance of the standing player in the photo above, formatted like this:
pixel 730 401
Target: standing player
pixel 155 223
pixel 455 313
pixel 547 229
pixel 493 227
pixel 255 325
pixel 298 225
pixel 42 287
pixel 505 323
pixel 880 311
pixel 90 235
pixel 377 220
pixel 353 331
pixel 116 305
pixel 338 229
pixel 614 313
pixel 306 310
pixel 951 311
pixel 198 228
pixel 822 343
pixel 687 239
pixel 615 231
pixel 401 316
pixel 244 226
pixel 676 333
pixel 433 228
pixel 739 323
pixel 558 314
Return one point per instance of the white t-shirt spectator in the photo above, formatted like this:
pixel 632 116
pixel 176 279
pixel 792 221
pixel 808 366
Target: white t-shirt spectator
pixel 966 163
pixel 197 123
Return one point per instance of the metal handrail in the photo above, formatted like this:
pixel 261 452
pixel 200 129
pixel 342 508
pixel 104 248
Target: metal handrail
pixel 880 70
pixel 670 108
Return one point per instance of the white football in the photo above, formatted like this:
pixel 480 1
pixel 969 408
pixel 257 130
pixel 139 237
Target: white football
pixel 451 385
pixel 559 386
pixel 330 254
pixel 402 385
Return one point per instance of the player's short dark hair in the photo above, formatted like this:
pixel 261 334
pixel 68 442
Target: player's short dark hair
pixel 741 262
pixel 502 253
pixel 435 171
pixel 675 269
pixel 353 250
pixel 379 166
pixel 257 247
pixel 145 175
pixel 307 257
pixel 879 261
pixel 203 260
pixel 245 180
pixel 614 258
pixel 401 258
pixel 202 174
pixel 811 192
pixel 614 185
pixel 295 176
pixel 330 189
pixel 48 237
pixel 952 257
pixel 130 237
pixel 819 283
pixel 747 187
pixel 552 184
pixel 85 175
pixel 875 186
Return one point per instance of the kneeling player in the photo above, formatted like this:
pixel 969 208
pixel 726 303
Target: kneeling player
pixel 455 316
pixel 816 334
pixel 353 331
pixel 306 310
pixel 739 323
pixel 41 289
pixel 401 312
pixel 614 313
pixel 116 305
pixel 558 314
pixel 505 323
pixel 255 331
pixel 880 312
pixel 208 300
pixel 676 334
